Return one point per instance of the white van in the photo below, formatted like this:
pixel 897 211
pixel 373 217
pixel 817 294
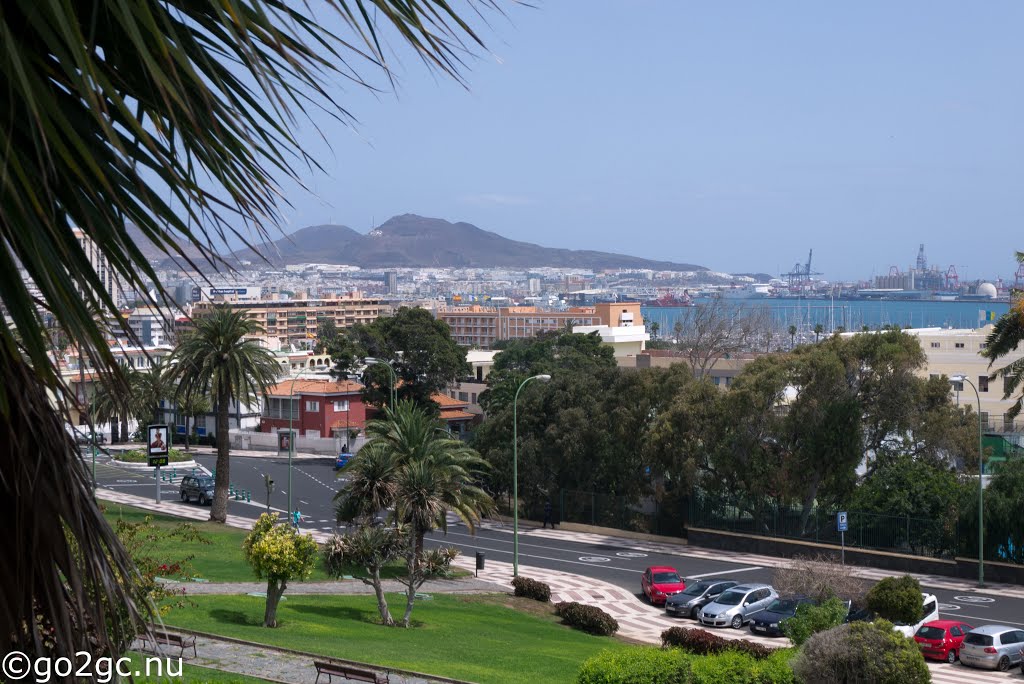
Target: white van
pixel 931 612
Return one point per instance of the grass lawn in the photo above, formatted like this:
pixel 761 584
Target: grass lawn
pixel 190 674
pixel 221 560
pixel 485 639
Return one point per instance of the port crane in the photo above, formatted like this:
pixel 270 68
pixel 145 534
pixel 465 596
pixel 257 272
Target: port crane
pixel 801 273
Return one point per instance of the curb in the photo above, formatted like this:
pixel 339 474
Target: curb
pixel 317 656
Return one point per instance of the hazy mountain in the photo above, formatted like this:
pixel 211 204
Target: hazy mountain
pixel 416 241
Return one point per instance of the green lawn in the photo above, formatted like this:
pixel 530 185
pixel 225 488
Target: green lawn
pixel 221 560
pixel 477 638
pixel 190 674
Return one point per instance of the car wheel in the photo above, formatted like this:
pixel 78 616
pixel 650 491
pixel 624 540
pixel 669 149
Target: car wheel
pixel 184 497
pixel 950 656
pixel 202 499
pixel 1004 664
pixel 695 612
pixel 737 622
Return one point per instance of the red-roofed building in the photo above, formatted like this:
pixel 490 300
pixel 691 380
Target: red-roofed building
pixel 454 413
pixel 317 408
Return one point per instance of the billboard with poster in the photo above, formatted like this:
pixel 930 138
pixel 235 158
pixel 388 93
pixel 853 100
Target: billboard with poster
pixel 284 440
pixel 158 445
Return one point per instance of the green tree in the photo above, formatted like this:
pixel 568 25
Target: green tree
pixel 279 554
pixel 149 387
pixel 116 404
pixel 655 329
pixel 218 360
pixel 191 406
pixel 861 652
pixel 326 335
pixel 176 118
pixel 811 619
pixel 1004 515
pixel 411 466
pixel 419 348
pixel 897 599
pixel 818 330
pixel 371 547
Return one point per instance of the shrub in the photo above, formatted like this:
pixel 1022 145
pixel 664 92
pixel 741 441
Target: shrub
pixel 640 665
pixel 776 668
pixel 897 599
pixel 819 577
pixel 732 667
pixel 590 619
pixel 703 642
pixel 531 588
pixel 860 652
pixel 811 619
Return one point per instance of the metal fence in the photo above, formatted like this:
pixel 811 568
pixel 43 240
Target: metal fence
pixel 881 532
pixel 618 512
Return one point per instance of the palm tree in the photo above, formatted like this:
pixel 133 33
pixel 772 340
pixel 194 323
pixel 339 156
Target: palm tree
pixel 176 118
pixel 792 336
pixel 818 330
pixel 150 387
pixel 218 359
pixel 117 405
pixel 1005 338
pixel 655 327
pixel 418 470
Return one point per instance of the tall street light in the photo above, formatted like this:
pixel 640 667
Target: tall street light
pixel 515 471
pixel 981 508
pixel 371 361
pixel 291 443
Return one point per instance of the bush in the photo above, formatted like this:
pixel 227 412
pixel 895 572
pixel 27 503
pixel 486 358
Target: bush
pixel 819 577
pixel 640 665
pixel 811 619
pixel 590 619
pixel 861 652
pixel 897 599
pixel 732 667
pixel 703 642
pixel 531 588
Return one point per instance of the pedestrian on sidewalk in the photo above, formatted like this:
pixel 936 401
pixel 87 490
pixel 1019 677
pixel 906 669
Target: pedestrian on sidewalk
pixel 547 515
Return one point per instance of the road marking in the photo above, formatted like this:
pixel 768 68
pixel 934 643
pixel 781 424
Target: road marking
pixel 303 502
pixel 948 607
pixel 527 555
pixel 724 572
pixel 974 599
pixel 594 559
pixel 984 619
pixel 631 554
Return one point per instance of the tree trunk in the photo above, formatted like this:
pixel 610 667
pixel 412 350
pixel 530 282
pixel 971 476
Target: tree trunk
pixel 412 584
pixel 124 428
pixel 114 439
pixel 275 589
pixel 382 602
pixel 808 502
pixel 186 433
pixel 219 509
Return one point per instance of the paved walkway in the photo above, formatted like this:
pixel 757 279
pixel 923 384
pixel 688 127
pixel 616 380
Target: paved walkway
pixel 637 620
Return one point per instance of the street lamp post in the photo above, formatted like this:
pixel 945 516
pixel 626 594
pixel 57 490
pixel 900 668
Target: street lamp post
pixel 515 471
pixel 981 488
pixel 291 443
pixel 371 361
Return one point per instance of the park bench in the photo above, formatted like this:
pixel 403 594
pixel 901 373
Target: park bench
pixel 349 672
pixel 179 641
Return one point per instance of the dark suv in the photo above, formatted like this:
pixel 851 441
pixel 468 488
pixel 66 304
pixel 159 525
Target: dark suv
pixel 198 488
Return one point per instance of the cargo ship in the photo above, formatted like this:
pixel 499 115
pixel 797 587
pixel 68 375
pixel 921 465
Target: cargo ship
pixel 669 300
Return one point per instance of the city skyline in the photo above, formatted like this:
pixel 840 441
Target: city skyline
pixel 657 130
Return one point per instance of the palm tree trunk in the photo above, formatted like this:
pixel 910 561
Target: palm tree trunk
pixel 219 509
pixel 411 579
pixel 186 432
pixel 124 428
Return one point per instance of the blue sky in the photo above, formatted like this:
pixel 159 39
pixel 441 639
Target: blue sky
pixel 735 135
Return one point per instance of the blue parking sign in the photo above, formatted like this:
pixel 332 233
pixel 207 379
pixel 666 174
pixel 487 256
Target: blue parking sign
pixel 841 522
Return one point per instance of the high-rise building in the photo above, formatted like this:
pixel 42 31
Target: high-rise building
pixel 390 282
pixel 108 276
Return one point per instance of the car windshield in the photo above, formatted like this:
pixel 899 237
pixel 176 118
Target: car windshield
pixel 783 606
pixel 666 578
pixel 731 598
pixel 697 589
pixel 931 633
pixel 204 481
pixel 978 639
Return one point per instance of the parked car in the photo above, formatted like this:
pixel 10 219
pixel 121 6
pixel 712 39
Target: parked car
pixel 993 647
pixel 199 487
pixel 734 607
pixel 342 460
pixel 661 581
pixel 82 435
pixel 769 621
pixel 931 613
pixel 941 639
pixel 696 596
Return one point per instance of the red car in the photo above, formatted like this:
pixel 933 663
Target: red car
pixel 941 639
pixel 659 582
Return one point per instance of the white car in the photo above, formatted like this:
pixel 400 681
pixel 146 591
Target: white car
pixel 931 612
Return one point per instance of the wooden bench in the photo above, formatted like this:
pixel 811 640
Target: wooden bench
pixel 179 641
pixel 349 672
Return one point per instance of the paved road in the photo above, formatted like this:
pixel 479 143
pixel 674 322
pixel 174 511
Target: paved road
pixel 616 561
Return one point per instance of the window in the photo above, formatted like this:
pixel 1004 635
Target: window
pixel 341 406
pixel 955 631
pixel 463 396
pixel 717 380
pixel 959 345
pixel 472 398
pixel 936 345
pixel 1007 638
pixel 279 408
pixel 983 383
pixel 313 406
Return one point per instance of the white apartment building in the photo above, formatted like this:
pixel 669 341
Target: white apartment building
pixel 108 276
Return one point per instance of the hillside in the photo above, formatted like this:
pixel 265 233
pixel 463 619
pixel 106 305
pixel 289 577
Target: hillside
pixel 416 241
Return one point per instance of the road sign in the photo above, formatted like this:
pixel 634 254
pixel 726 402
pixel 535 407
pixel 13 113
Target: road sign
pixel 842 523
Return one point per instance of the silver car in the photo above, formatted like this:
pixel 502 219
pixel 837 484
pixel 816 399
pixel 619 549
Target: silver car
pixel 697 595
pixel 734 607
pixel 993 647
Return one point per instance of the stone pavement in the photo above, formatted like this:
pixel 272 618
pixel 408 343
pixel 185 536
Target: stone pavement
pixel 637 620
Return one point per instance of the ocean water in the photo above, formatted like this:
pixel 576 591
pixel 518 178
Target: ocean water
pixel 851 314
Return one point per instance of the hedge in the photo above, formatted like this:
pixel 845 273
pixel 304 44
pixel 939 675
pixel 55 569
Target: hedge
pixel 531 588
pixel 640 665
pixel 703 642
pixel 590 619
